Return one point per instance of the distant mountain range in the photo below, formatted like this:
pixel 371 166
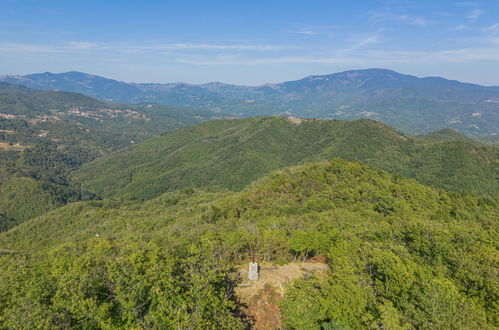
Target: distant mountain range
pixel 411 104
pixel 155 234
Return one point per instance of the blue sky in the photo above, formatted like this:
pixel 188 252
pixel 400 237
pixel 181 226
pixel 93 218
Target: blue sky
pixel 250 42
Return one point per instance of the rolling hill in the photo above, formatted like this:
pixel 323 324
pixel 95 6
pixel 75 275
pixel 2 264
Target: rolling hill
pixel 137 121
pixel 400 254
pixel 229 154
pixel 447 134
pixel 78 82
pixel 187 208
pixel 45 134
pixel 411 104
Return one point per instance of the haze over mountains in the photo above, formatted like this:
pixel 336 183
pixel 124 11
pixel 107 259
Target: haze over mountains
pixel 238 177
pixel 113 215
pixel 411 104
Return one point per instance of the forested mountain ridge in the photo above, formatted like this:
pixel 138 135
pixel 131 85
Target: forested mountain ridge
pixel 45 134
pixel 491 139
pixel 187 208
pixel 411 104
pixel 447 134
pixel 229 154
pixel 402 255
pixel 19 100
pixel 138 121
pixel 77 82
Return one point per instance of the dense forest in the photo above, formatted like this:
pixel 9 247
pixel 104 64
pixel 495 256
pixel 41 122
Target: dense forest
pixel 121 217
pixel 401 255
pixel 46 135
pixel 252 165
pixel 232 153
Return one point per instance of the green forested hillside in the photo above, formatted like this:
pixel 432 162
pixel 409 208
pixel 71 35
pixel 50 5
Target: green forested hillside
pixel 134 122
pixel 447 134
pixel 492 139
pixel 232 153
pixel 19 100
pixel 190 206
pixel 401 255
pixel 45 135
pixel 24 197
pixel 34 166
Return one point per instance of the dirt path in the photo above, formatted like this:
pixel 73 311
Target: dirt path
pixel 262 297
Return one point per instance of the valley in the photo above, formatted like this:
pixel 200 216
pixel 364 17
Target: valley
pixel 145 216
pixel 411 104
pixel 46 135
pixel 249 165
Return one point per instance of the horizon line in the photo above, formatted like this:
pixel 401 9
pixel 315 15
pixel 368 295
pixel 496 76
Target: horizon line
pixel 3 76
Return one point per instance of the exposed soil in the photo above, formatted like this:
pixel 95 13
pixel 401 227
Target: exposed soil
pixel 261 299
pixel 295 120
pixel 6 146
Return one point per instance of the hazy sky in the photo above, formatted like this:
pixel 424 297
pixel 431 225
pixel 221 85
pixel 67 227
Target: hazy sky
pixel 250 42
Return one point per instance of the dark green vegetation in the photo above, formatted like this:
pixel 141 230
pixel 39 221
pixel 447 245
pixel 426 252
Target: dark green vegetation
pixel 125 121
pixel 449 135
pixel 188 207
pixel 401 255
pixel 232 153
pixel 413 105
pixel 492 139
pixel 44 135
pixel 19 100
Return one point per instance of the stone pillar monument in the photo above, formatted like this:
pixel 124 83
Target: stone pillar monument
pixel 253 271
